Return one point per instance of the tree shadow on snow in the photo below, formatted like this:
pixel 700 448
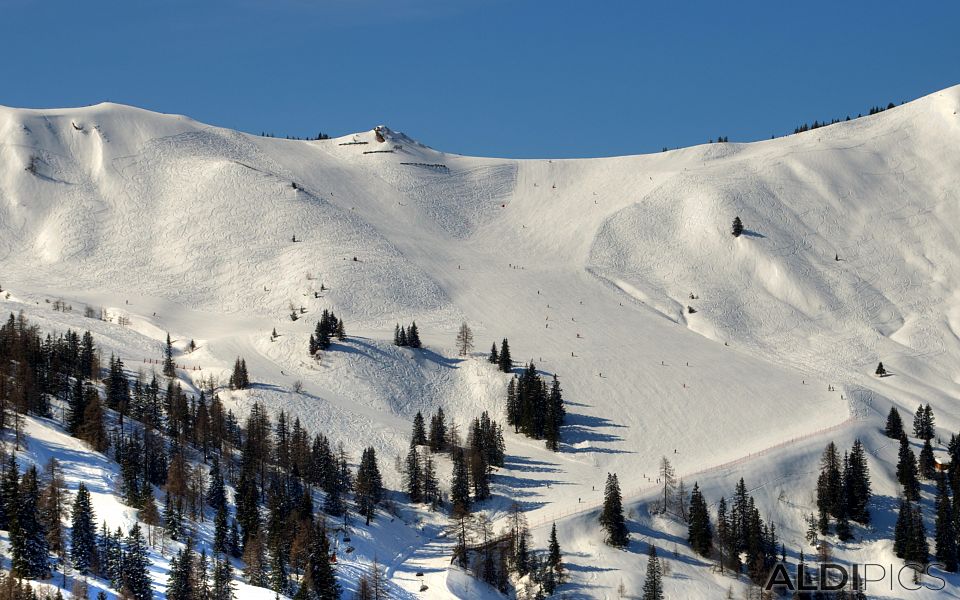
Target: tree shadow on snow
pixel 364 348
pixel 529 465
pixel 753 234
pixel 583 429
pixel 569 565
pixel 660 539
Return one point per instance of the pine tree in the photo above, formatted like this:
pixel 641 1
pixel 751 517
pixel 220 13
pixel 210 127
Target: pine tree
pixel 880 372
pixel 239 379
pixel 918 422
pixel 927 464
pixel 460 485
pixel 220 531
pixel 857 480
pixel 431 487
pixel 319 576
pixel 28 539
pixel 843 528
pixel 181 581
pixel 653 584
pixel 829 486
pixel 740 514
pixel 256 562
pixel 611 517
pixel 53 506
pixel 737 228
pixel 368 485
pixel 200 570
pixel 93 431
pixel 504 361
pixel 279 579
pixel 136 578
pixel 907 471
pixel 419 436
pixel 946 533
pixel 521 559
pixel 917 550
pixel 812 532
pixel 554 557
pixel 894 427
pixel 334 503
pixel 726 543
pixel 438 432
pixel 413 475
pixel 700 534
pixel 83 534
pixel 929 423
pixel 8 493
pixel 222 588
pixel 413 336
pixel 494 357
pixel 555 415
pixel 76 407
pixel 169 369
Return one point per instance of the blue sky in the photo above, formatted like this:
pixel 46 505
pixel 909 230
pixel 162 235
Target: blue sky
pixel 548 78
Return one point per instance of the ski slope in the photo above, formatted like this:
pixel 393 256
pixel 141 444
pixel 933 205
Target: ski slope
pixel 587 266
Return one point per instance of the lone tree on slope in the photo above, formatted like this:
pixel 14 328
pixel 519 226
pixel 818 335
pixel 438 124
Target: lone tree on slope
pixel 881 372
pixel 464 339
pixel 737 227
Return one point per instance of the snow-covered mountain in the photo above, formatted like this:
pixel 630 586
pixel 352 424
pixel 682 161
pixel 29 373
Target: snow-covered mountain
pixel 733 356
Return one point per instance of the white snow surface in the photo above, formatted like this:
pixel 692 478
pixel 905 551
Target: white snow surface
pixel 587 266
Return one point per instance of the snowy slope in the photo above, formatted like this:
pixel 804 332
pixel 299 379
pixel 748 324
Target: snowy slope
pixel 586 265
